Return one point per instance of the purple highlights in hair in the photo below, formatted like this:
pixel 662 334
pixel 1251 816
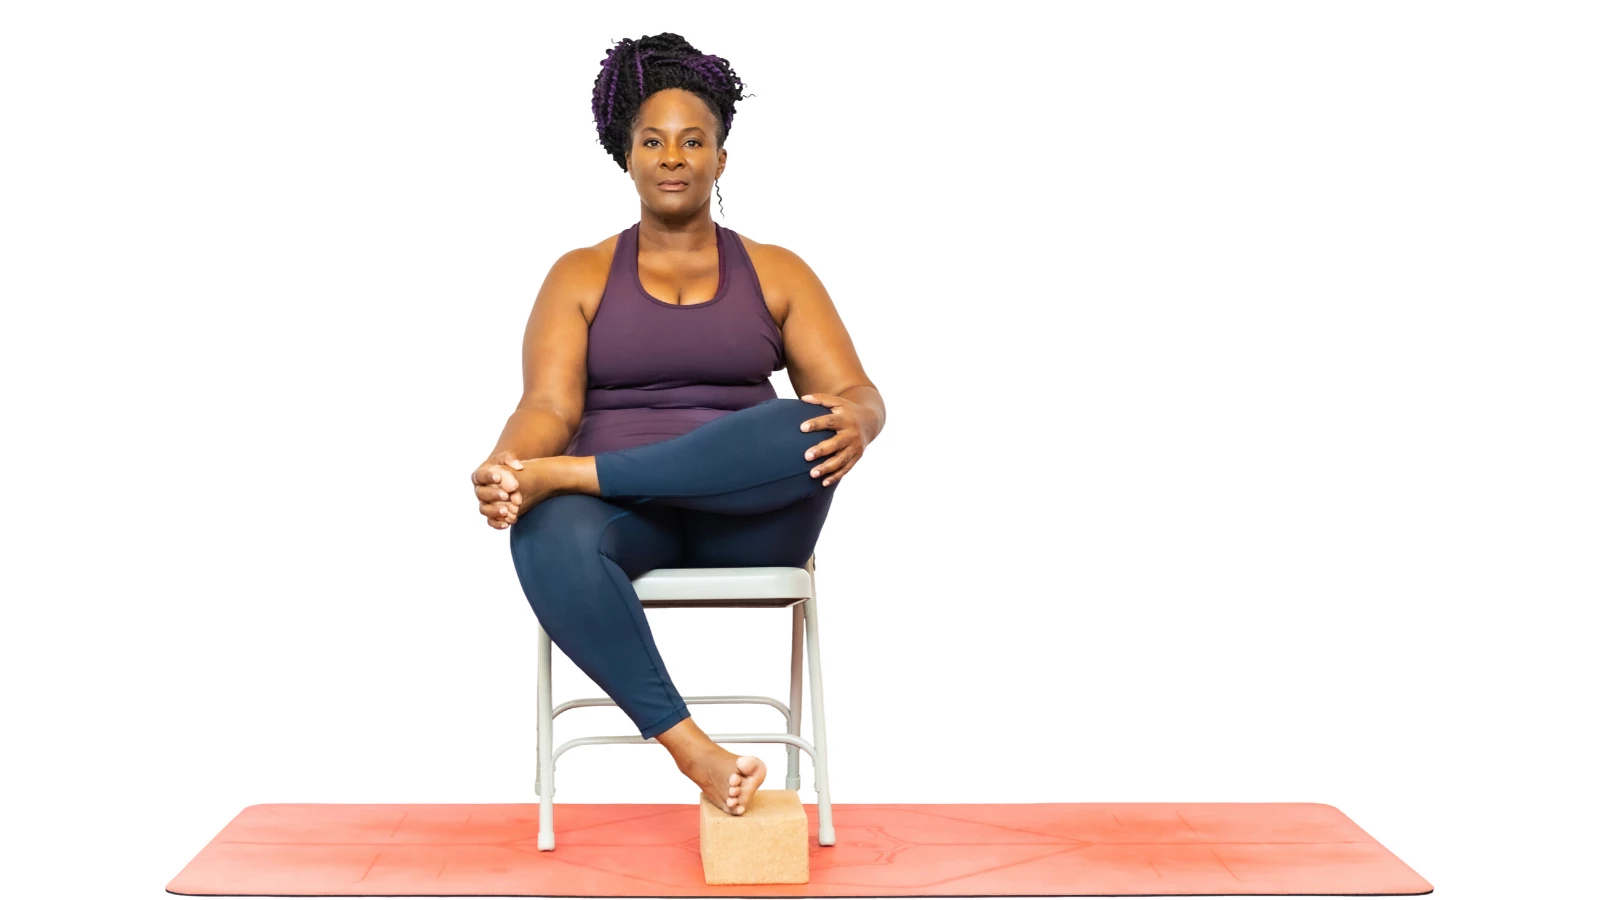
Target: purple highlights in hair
pixel 711 69
pixel 599 88
pixel 607 86
pixel 639 61
pixel 705 65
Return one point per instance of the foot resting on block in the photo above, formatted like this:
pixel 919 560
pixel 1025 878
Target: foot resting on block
pixel 769 844
pixel 727 779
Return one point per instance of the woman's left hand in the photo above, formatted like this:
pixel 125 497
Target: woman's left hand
pixel 847 444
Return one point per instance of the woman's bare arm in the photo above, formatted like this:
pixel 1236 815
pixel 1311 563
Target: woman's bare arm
pixel 555 349
pixel 821 357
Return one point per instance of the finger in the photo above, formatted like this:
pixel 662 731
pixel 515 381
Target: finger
pixel 501 509
pixel 509 458
pixel 835 479
pixel 823 449
pixel 833 462
pixel 489 493
pixel 818 423
pixel 821 399
pixel 506 480
pixel 841 462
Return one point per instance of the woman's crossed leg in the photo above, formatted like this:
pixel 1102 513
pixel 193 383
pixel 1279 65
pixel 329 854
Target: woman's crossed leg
pixel 748 461
pixel 735 495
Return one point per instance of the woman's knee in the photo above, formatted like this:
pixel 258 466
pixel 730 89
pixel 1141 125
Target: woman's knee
pixel 790 413
pixel 558 531
pixel 796 406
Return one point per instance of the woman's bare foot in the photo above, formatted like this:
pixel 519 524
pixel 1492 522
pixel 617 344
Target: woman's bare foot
pixel 535 482
pixel 729 780
pixel 541 478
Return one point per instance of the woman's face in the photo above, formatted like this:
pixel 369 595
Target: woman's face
pixel 675 142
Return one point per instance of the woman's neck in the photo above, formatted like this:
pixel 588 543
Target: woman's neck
pixel 676 236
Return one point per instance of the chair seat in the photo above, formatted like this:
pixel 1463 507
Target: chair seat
pixel 763 586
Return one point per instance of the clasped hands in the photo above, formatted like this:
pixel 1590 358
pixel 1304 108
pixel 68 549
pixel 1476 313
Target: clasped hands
pixel 500 500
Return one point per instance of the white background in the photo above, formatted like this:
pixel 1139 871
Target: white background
pixel 1240 364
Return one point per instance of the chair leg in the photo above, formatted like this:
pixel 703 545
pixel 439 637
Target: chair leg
pixel 819 729
pixel 796 650
pixel 547 769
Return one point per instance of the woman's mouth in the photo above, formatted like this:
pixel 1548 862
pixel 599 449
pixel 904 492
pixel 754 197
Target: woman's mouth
pixel 673 185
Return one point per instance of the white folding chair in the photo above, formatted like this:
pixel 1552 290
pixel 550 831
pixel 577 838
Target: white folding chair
pixel 769 587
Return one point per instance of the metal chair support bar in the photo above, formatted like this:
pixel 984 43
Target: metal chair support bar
pixel 718 698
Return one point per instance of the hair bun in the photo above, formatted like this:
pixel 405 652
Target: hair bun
pixel 632 70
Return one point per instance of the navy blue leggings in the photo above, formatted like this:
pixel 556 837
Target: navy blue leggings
pixel 736 491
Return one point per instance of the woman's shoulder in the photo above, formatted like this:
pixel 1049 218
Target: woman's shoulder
pixel 587 264
pixel 780 270
pixel 581 273
pixel 772 256
pixel 778 265
pixel 594 256
pixel 785 277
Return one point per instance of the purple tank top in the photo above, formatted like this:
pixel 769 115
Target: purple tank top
pixel 658 370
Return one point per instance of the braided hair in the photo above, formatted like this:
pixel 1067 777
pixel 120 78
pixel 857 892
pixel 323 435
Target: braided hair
pixel 633 70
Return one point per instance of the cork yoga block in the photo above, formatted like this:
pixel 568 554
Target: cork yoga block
pixel 769 844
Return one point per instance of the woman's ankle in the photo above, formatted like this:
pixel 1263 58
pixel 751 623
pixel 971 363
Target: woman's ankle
pixel 578 475
pixel 686 742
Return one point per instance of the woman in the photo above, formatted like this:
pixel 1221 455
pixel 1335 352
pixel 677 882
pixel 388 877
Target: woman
pixel 648 434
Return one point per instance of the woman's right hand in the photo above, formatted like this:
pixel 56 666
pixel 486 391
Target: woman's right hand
pixel 496 486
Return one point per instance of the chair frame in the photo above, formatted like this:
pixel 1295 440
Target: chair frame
pixel 654 592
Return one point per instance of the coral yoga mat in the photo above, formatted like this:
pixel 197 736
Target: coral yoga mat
pixel 882 850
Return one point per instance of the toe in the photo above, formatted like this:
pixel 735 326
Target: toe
pixel 753 769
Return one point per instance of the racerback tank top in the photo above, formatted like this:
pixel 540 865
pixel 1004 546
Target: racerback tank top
pixel 657 370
